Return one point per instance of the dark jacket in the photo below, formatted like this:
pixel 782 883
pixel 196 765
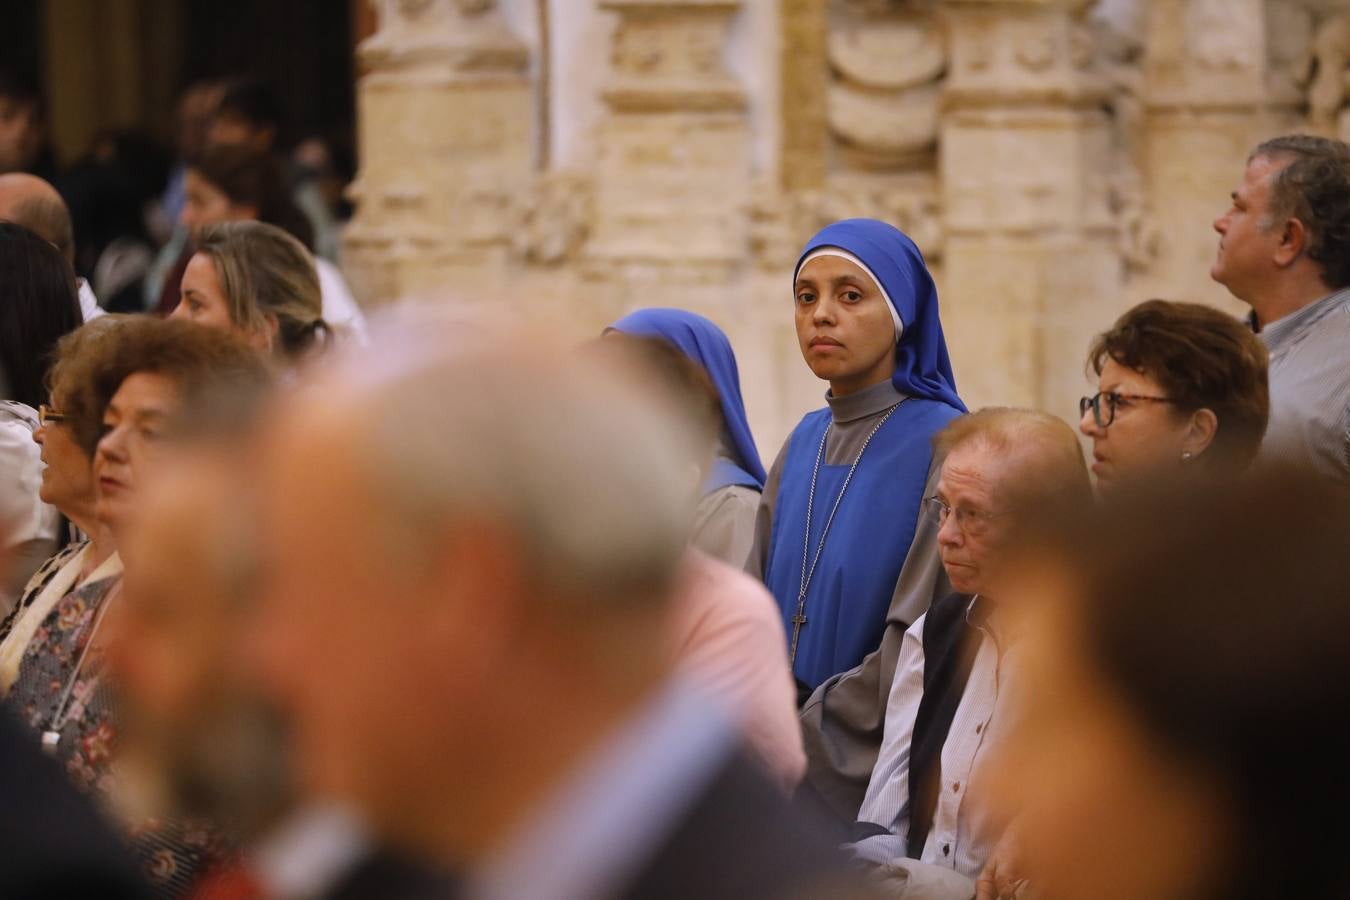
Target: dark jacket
pixel 53 842
pixel 740 840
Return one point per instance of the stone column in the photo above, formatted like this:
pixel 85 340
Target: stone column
pixel 446 116
pixel 672 171
pixel 1205 107
pixel 805 77
pixel 1031 266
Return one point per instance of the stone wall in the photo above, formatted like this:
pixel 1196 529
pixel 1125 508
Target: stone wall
pixel 1057 160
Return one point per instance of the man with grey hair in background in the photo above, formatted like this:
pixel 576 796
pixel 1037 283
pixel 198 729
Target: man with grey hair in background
pixel 463 602
pixel 1284 249
pixel 29 201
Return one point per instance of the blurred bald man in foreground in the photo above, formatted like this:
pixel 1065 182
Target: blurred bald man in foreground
pixel 464 600
pixel 29 201
pixel 198 739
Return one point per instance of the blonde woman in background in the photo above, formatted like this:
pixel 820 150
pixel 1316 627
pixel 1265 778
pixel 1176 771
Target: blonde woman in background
pixel 257 281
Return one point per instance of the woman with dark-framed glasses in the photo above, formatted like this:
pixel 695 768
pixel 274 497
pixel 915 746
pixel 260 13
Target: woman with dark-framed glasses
pixel 67 433
pixel 121 394
pixel 1178 384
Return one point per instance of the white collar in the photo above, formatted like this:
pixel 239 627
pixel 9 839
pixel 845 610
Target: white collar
pixel 607 818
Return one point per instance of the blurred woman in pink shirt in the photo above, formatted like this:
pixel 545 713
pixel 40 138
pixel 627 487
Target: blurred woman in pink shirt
pixel 725 632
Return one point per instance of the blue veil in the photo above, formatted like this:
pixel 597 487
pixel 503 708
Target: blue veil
pixel 706 344
pixel 923 368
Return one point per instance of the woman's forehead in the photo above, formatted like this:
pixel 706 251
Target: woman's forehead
pixel 830 267
pixel 1116 377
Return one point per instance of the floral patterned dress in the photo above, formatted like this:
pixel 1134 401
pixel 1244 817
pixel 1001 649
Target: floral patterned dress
pixel 45 573
pixel 173 854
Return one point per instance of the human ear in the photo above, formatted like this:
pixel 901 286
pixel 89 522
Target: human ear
pixel 1293 242
pixel 266 336
pixel 1200 432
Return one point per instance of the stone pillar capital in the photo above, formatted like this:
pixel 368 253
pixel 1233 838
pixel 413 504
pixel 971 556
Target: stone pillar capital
pixel 446 115
pixel 458 39
pixel 1205 54
pixel 667 56
pixel 1025 153
pixel 1073 6
pixel 1019 53
pixel 673 149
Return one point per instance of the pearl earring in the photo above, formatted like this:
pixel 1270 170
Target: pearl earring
pixel 1187 456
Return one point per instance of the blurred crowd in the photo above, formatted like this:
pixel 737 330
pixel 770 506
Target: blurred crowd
pixel 138 208
pixel 297 608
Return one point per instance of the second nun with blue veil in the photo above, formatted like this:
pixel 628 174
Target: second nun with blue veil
pixel 724 523
pixel 842 499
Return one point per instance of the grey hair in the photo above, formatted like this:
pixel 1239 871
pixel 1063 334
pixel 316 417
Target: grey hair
pixel 1313 187
pixel 1051 473
pixel 583 468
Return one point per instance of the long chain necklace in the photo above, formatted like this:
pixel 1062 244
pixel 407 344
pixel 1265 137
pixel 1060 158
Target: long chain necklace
pixel 51 738
pixel 799 619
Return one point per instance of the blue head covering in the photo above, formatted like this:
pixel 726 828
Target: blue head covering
pixel 922 366
pixel 706 344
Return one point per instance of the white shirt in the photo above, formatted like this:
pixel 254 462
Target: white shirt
pixel 89 308
pixel 339 306
pixel 602 824
pixel 29 526
pixel 310 853
pixel 962 835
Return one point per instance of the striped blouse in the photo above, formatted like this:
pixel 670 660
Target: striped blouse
pixel 1310 388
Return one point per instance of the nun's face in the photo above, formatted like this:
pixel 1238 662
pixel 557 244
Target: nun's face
pixel 844 327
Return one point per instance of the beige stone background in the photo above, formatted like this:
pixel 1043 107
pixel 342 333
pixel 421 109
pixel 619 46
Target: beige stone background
pixel 1057 160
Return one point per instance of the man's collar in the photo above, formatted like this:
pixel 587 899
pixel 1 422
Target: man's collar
pixel 1278 335
pixel 619 804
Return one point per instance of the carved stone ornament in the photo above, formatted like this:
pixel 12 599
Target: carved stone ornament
pixel 891 54
pixel 1328 70
pixel 887 61
pixel 453 36
pixel 889 124
pixel 667 55
pixel 780 222
pixel 1220 34
pixel 1139 234
pixel 555 219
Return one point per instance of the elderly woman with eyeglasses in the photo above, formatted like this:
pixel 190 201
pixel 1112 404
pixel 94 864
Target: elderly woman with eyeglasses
pixel 924 818
pixel 1179 384
pixel 120 392
pixel 67 433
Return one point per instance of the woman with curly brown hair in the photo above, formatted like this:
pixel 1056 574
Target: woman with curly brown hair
pixel 68 432
pixel 1178 384
pixel 128 384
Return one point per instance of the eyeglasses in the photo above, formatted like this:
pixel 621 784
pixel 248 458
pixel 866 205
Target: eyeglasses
pixel 972 522
pixel 47 416
pixel 1105 413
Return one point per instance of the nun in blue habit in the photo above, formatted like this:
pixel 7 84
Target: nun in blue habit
pixel 724 523
pixel 842 500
